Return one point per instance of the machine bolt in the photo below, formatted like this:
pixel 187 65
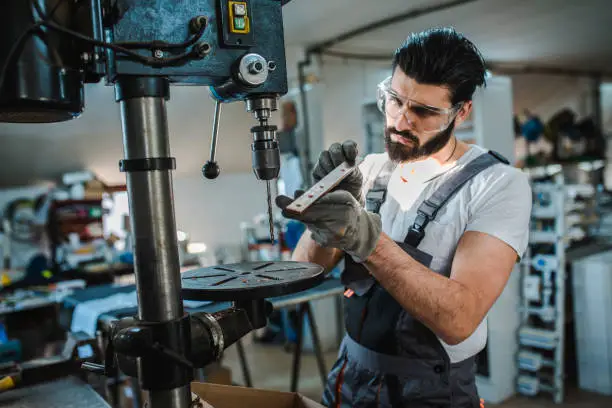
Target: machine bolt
pixel 271 65
pixel 196 24
pixel 202 48
pixel 159 54
pixel 256 67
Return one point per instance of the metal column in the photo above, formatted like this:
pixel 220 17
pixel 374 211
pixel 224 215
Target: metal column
pixel 156 260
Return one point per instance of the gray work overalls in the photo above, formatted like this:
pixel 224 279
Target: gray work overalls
pixel 388 358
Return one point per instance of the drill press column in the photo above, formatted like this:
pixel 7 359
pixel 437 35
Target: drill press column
pixel 148 165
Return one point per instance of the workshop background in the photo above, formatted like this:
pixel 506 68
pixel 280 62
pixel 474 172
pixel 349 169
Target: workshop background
pixel 547 107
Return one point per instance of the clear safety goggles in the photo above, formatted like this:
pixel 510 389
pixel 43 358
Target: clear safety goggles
pixel 423 118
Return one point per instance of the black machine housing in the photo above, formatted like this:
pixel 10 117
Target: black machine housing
pixel 50 48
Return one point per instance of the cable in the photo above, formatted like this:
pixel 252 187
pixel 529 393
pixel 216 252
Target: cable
pixel 21 40
pixel 151 45
pixel 14 50
pixel 162 45
pixel 150 61
pixel 124 49
pixel 47 22
pixel 43 35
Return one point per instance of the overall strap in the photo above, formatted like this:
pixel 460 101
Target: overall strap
pixel 378 193
pixel 429 208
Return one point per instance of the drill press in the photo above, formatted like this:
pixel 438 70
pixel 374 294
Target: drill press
pixel 49 49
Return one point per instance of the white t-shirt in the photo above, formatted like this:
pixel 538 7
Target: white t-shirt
pixel 497 201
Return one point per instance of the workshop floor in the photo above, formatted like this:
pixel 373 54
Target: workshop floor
pixel 271 369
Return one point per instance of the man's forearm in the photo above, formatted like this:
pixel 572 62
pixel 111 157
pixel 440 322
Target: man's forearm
pixel 445 306
pixel 307 250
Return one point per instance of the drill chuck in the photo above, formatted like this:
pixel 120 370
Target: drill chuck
pixel 265 152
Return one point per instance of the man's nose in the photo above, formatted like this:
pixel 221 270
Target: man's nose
pixel 402 122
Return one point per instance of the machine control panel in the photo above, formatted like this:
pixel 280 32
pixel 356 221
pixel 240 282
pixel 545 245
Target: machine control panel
pixel 237 23
pixel 239 19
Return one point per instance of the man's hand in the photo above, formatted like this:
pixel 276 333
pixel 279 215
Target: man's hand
pixel 337 220
pixel 335 156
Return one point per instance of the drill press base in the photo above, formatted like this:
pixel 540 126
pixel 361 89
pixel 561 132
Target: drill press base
pixel 250 280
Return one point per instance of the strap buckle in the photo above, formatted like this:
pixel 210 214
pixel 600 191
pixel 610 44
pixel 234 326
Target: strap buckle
pixel 428 209
pixel 416 233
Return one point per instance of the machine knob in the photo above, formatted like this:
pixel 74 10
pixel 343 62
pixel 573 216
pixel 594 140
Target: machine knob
pixel 211 170
pixel 253 70
pixel 256 67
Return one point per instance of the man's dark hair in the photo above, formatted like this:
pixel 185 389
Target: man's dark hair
pixel 442 56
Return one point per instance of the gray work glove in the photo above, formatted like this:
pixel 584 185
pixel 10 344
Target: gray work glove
pixel 337 220
pixel 332 158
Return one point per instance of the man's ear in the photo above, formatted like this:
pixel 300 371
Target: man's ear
pixel 464 113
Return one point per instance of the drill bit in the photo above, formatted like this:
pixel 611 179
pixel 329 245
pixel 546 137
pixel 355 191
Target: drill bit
pixel 270 217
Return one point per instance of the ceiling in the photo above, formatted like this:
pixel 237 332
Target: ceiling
pixel 568 33
pixel 564 34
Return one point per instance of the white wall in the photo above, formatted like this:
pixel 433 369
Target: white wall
pixel 545 95
pixel 211 210
pixel 492 117
pixel 347 85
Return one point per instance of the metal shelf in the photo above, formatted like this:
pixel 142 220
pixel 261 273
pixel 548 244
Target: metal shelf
pixel 537 341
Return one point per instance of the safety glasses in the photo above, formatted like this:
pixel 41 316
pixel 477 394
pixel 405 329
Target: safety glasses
pixel 424 118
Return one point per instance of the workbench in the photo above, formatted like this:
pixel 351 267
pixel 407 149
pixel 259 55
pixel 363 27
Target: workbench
pixel 331 287
pixel 63 393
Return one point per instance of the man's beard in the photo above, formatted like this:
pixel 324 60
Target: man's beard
pixel 401 153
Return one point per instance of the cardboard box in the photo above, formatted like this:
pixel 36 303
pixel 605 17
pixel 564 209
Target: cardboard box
pixel 217 374
pixel 225 396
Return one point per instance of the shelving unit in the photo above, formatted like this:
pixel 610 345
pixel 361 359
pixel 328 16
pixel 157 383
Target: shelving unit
pixel 541 332
pixel 72 216
pixel 563 215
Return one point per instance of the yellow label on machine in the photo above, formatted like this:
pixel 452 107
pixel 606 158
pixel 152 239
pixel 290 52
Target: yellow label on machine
pixel 239 19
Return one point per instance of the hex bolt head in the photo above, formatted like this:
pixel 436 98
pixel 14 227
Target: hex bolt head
pixel 202 48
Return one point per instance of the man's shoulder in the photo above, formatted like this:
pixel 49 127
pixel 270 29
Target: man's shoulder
pixel 503 173
pixel 502 180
